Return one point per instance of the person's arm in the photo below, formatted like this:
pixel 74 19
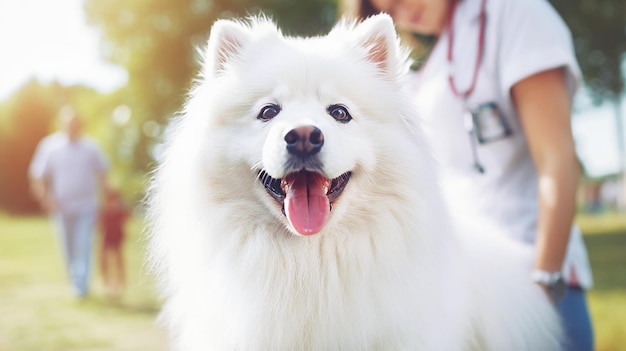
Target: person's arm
pixel 103 183
pixel 39 189
pixel 544 106
pixel 37 173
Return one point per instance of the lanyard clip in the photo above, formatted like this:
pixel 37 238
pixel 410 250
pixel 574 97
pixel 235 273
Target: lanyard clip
pixel 468 121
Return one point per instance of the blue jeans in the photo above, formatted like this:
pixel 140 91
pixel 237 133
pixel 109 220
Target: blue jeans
pixel 75 233
pixel 576 320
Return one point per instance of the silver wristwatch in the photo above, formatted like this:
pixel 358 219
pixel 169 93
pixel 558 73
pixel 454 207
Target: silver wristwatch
pixel 552 281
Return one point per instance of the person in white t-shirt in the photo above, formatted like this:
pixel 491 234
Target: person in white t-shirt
pixel 67 173
pixel 496 94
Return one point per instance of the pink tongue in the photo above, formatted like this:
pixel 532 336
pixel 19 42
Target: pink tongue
pixel 306 203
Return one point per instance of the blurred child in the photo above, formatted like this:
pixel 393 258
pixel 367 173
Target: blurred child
pixel 112 219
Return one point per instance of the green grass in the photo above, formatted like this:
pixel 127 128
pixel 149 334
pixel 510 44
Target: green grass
pixel 609 222
pixel 605 236
pixel 39 313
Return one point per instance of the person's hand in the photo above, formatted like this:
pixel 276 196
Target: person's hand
pixel 48 204
pixel 551 283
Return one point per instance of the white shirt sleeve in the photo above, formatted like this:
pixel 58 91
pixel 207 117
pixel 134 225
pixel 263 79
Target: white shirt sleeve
pixel 534 38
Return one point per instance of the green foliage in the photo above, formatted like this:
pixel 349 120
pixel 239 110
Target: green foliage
pixel 24 120
pixel 303 17
pixel 599 31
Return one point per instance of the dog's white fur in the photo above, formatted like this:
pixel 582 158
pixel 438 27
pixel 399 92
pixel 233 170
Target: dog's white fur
pixel 386 272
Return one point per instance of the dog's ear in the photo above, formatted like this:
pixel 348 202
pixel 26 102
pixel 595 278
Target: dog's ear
pixel 377 35
pixel 225 43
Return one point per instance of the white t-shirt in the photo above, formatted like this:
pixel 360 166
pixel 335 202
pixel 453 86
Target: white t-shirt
pixel 72 170
pixel 522 37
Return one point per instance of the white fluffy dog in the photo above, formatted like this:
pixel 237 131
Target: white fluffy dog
pixel 297 209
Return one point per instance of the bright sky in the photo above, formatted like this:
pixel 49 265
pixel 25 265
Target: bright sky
pixel 595 131
pixel 50 40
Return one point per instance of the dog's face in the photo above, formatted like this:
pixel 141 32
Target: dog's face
pixel 301 116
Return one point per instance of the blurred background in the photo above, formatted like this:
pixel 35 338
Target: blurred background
pixel 126 65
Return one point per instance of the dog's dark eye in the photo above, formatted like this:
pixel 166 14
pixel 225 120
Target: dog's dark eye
pixel 339 113
pixel 268 112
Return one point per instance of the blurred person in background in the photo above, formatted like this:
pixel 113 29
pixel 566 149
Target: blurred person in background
pixel 113 217
pixel 496 92
pixel 67 173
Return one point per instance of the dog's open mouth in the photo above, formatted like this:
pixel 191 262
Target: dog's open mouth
pixel 306 197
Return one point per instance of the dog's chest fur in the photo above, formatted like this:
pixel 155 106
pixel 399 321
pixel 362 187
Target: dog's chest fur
pixel 348 292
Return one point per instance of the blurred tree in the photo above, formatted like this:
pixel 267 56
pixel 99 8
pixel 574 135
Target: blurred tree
pixel 24 120
pixel 4 154
pixel 599 31
pixel 156 41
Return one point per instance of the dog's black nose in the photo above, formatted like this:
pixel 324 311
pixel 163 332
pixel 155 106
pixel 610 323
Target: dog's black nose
pixel 304 141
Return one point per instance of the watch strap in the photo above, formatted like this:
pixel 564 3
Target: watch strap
pixel 545 278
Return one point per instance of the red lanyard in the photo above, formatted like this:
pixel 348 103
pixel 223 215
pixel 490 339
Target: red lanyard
pixel 479 54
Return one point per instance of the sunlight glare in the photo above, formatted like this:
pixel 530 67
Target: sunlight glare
pixel 50 40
